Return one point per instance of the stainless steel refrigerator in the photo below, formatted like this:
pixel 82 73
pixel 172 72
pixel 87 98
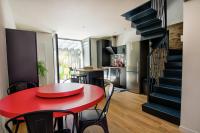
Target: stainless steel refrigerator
pixel 136 57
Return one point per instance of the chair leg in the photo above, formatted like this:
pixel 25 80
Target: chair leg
pixel 104 125
pixel 55 123
pixel 17 127
pixel 77 126
pixel 82 128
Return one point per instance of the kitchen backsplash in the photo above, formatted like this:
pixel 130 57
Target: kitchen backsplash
pixel 118 60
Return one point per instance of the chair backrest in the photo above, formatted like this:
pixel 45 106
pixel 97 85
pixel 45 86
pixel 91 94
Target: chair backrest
pixel 39 121
pixel 18 86
pixel 108 98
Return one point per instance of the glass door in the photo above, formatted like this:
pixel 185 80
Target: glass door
pixel 69 58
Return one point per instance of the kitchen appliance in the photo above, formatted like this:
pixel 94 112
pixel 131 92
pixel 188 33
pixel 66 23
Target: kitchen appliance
pixel 111 49
pixel 103 55
pixel 136 65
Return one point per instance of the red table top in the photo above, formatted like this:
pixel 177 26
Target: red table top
pixel 26 101
pixel 59 90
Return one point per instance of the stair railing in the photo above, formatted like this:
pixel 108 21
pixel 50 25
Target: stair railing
pixel 158 55
pixel 161 7
pixel 156 62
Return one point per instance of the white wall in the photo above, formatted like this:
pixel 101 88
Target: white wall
pixel 45 54
pixel 190 111
pixel 128 37
pixel 7 14
pixel 174 11
pixel 6 21
pixel 3 58
pixel 93 52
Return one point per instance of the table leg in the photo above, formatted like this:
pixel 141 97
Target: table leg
pixel 76 118
pixel 60 123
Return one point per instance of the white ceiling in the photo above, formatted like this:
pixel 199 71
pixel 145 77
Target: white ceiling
pixel 75 19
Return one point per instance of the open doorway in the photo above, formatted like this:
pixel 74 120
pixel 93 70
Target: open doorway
pixel 69 58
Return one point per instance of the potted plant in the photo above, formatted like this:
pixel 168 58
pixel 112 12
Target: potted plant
pixel 42 71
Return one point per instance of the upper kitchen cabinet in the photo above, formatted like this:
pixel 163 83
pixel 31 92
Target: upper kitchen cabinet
pixel 21 56
pixel 103 53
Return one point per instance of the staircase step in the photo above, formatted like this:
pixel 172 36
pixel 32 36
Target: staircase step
pixel 175 52
pixel 146 29
pixel 173 65
pixel 154 36
pixel 174 58
pixel 150 23
pixel 137 10
pixel 144 16
pixel 151 31
pixel 173 73
pixel 166 113
pixel 168 89
pixel 167 100
pixel 170 81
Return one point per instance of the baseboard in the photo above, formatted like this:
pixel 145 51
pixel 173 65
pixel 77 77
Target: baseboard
pixel 187 130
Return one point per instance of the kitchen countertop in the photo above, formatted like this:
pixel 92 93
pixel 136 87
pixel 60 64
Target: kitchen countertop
pixel 90 69
pixel 98 69
pixel 108 67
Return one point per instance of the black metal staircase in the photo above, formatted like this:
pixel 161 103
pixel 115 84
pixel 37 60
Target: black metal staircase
pixel 164 64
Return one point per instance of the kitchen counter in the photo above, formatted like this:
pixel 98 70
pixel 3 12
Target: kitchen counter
pixel 117 75
pixel 95 76
pixel 112 67
pixel 90 70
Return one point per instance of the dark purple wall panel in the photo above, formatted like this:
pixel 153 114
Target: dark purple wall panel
pixel 22 56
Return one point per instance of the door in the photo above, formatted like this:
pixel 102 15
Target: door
pixel 69 58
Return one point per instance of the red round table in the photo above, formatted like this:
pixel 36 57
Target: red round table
pixel 26 101
pixel 60 90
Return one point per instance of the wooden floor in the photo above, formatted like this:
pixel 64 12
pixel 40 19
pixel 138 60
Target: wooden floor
pixel 126 116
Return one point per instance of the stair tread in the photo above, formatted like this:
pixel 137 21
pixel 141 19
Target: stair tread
pixel 171 78
pixel 151 29
pixel 149 22
pixel 174 57
pixel 170 87
pixel 173 65
pixel 137 9
pixel 165 109
pixel 166 97
pixel 175 62
pixel 142 14
pixel 152 37
pixel 178 70
pixel 179 63
pixel 175 52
